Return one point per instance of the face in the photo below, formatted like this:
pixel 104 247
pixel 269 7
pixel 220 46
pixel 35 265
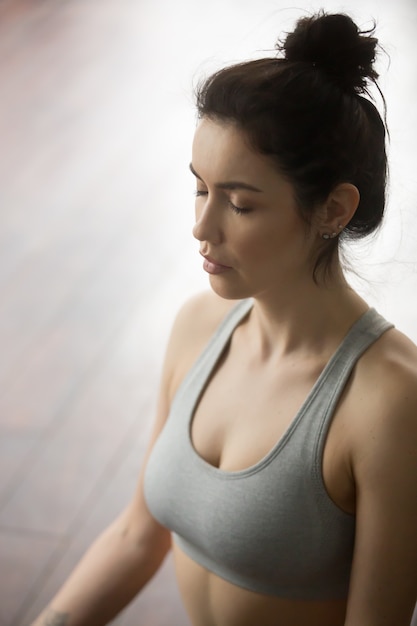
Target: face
pixel 251 234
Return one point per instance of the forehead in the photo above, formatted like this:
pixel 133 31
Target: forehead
pixel 221 148
pixel 212 132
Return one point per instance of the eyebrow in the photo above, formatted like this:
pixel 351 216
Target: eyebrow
pixel 231 184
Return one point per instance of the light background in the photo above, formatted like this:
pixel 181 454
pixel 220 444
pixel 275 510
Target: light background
pixel 190 40
pixel 96 252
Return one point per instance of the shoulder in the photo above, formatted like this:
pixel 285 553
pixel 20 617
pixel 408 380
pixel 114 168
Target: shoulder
pixel 388 372
pixel 203 312
pixel 194 325
pixel 384 467
pixel 197 320
pixel 385 417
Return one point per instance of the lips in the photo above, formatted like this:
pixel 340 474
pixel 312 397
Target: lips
pixel 212 266
pixel 210 259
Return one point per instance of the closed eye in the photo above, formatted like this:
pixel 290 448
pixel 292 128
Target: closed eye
pixel 237 209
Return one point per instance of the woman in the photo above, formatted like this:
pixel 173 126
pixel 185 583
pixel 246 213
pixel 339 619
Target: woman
pixel 287 467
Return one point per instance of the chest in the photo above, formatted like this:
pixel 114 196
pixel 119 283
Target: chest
pixel 244 412
pixel 236 475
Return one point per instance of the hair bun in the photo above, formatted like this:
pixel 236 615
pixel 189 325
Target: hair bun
pixel 334 44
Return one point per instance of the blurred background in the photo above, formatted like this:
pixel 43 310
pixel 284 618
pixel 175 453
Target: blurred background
pixel 96 252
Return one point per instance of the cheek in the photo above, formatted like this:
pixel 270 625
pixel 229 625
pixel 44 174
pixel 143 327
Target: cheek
pixel 259 252
pixel 270 239
pixel 279 245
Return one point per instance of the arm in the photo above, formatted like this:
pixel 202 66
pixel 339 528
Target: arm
pixel 112 572
pixel 129 552
pixel 118 564
pixel 383 588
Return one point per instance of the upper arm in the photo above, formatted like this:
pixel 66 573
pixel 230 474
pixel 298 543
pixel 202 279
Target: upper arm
pixel 383 588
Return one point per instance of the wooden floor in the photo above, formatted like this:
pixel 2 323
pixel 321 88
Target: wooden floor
pixel 85 306
pixel 93 265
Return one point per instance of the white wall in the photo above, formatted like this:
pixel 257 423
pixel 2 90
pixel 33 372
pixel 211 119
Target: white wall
pixel 186 39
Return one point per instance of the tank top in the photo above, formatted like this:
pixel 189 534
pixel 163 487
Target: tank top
pixel 272 527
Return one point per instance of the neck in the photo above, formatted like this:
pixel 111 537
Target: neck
pixel 307 316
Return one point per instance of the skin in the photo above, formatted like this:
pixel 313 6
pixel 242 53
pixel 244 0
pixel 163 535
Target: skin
pixel 279 352
pixel 56 619
pixel 274 357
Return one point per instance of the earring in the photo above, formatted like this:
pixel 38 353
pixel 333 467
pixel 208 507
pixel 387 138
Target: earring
pixel 332 235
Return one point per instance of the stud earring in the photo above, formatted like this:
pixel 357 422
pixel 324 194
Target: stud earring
pixel 333 234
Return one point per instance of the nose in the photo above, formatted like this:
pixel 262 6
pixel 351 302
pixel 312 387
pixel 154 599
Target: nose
pixel 207 225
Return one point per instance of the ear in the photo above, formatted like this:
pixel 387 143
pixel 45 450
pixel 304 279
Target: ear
pixel 339 207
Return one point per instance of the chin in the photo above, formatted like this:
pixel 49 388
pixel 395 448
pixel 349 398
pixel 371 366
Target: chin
pixel 228 291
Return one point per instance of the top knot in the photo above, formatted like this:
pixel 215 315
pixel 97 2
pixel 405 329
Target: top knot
pixel 334 44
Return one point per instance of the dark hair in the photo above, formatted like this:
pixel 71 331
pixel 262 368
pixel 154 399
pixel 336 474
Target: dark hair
pixel 309 109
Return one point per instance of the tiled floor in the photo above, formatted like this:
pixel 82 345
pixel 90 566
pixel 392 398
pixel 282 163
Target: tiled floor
pixel 96 209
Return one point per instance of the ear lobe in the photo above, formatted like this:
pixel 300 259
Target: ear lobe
pixel 342 204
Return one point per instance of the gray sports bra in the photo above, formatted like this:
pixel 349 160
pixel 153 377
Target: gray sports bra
pixel 272 527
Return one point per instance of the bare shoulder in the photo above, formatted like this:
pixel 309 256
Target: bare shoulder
pixel 384 467
pixel 386 395
pixel 389 367
pixel 193 327
pixel 203 312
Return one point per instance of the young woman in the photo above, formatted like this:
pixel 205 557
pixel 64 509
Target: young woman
pixel 284 453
